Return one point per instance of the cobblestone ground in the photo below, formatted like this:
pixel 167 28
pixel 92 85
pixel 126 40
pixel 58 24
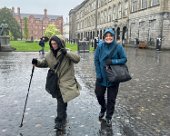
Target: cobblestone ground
pixel 142 104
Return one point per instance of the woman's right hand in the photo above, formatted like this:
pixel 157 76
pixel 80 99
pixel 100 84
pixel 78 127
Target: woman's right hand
pixel 34 61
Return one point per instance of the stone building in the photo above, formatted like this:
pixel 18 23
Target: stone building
pixel 37 23
pixel 130 19
pixel 66 30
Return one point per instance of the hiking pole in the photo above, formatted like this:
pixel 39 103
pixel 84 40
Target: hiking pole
pixel 26 98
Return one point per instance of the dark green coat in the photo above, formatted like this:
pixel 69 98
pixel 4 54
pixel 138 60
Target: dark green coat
pixel 68 84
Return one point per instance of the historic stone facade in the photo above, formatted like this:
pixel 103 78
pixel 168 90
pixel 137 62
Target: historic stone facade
pixel 130 19
pixel 37 23
pixel 66 30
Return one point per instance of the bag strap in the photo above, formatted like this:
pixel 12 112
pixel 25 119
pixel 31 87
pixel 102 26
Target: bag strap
pixel 112 51
pixel 59 62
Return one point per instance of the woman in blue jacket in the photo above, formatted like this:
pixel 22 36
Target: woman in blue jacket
pixel 101 60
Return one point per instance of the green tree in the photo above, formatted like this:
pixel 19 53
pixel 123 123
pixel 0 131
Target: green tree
pixel 14 28
pixel 26 33
pixel 51 30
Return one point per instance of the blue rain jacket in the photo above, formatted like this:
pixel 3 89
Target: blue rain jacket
pixel 102 53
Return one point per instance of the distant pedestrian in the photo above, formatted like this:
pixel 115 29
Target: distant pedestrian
pixel 101 60
pixel 68 85
pixel 42 44
pixel 158 43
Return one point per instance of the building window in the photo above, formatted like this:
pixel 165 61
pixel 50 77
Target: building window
pixel 99 4
pixel 125 10
pixel 154 2
pixel 109 14
pixel 114 12
pixel 119 10
pixel 143 4
pixel 105 16
pixel 134 5
pixel 142 24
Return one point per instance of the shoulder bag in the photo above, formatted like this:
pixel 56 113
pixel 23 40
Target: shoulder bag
pixel 51 85
pixel 117 73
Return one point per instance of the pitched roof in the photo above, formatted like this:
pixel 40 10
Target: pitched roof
pixel 39 16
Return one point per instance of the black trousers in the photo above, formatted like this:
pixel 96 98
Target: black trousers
pixel 61 107
pixel 107 104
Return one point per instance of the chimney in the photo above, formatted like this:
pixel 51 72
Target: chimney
pixel 45 12
pixel 18 11
pixel 13 10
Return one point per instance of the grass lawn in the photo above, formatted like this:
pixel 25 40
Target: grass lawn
pixel 22 46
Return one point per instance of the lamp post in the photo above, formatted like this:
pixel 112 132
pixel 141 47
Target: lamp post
pixel 43 31
pixel 21 27
pixel 95 34
pixel 115 26
pixel 96 18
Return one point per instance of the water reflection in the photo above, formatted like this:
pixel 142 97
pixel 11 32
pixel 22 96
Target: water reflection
pixel 60 132
pixel 157 56
pixel 104 129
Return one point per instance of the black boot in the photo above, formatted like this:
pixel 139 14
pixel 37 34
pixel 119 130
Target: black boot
pixel 109 122
pixel 102 113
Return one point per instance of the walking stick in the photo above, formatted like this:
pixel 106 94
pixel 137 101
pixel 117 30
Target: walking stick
pixel 26 98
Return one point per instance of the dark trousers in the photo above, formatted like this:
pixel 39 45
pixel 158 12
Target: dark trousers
pixel 61 107
pixel 109 105
pixel 42 50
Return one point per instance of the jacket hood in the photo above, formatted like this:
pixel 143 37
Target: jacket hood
pixel 109 30
pixel 58 41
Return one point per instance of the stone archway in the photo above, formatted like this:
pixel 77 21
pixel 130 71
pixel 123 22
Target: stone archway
pixel 124 33
pixel 113 29
pixel 118 33
pixel 78 36
pixel 101 34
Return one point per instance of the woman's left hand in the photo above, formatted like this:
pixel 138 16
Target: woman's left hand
pixel 108 62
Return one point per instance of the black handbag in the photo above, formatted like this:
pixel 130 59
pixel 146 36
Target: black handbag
pixel 51 85
pixel 117 73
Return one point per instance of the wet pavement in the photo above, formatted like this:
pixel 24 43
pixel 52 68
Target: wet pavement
pixel 142 109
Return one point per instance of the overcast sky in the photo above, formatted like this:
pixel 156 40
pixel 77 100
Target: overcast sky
pixel 54 7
